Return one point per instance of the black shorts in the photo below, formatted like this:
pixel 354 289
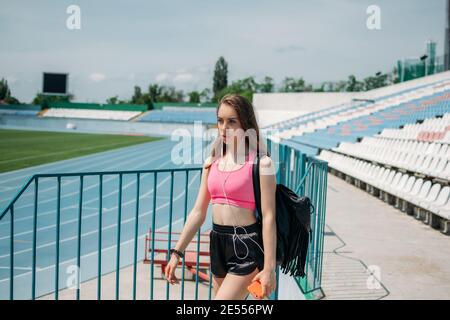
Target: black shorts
pixel 225 260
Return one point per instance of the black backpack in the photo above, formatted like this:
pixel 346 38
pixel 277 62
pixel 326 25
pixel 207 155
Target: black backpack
pixel 293 220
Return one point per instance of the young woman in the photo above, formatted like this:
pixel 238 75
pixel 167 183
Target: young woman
pixel 239 252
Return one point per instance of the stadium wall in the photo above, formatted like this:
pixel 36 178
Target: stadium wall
pixel 276 107
pixel 407 85
pixel 94 126
pixel 32 107
pixel 301 101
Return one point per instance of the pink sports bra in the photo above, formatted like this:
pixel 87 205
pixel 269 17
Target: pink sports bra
pixel 238 186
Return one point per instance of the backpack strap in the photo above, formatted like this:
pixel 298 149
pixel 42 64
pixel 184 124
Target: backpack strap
pixel 257 187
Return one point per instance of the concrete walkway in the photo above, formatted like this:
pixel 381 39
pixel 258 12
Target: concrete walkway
pixel 368 239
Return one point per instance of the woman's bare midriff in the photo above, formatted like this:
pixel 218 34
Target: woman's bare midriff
pixel 230 215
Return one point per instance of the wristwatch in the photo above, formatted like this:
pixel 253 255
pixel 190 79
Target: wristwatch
pixel 177 252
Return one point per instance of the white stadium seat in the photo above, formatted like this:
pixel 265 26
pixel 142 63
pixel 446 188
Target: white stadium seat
pixel 445 211
pixel 91 114
pixel 442 199
pixel 431 197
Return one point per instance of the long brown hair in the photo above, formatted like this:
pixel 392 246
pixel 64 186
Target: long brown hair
pixel 247 118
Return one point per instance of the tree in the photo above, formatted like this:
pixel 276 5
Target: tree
pixel 147 100
pixel 141 98
pixel 170 94
pixel 322 87
pixel 113 100
pixel 331 86
pixel 159 93
pixel 394 76
pixel 205 95
pixel 137 96
pixel 194 97
pixel 5 93
pixel 154 91
pixel 245 87
pixel 340 86
pixel 293 85
pixel 309 88
pixel 44 99
pixel 220 80
pixel 353 85
pixel 266 86
pixel 12 100
pixel 374 82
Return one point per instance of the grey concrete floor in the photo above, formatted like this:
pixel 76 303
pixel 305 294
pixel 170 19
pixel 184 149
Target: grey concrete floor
pixel 368 239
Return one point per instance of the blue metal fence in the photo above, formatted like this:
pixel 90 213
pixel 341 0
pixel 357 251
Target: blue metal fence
pixel 94 224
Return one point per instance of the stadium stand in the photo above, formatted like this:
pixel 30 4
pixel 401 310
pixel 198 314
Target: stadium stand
pixel 327 128
pixel 183 105
pixel 164 112
pixel 408 167
pixel 396 147
pixel 190 109
pixel 428 158
pixel 176 116
pixel 91 114
pixel 336 112
pixel 19 109
pixel 96 106
pixel 437 129
pixel 426 198
pixel 123 112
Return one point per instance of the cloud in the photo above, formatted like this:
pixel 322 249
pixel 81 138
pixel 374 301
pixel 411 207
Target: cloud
pixel 162 77
pixel 97 77
pixel 183 77
pixel 291 48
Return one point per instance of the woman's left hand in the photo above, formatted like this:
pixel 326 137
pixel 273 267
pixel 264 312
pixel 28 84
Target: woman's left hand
pixel 268 279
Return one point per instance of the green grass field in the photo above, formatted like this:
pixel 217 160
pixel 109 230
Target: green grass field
pixel 21 149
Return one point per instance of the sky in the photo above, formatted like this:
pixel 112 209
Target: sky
pixel 121 43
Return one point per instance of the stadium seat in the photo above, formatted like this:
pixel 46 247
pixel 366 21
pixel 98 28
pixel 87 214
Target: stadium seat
pixel 444 211
pixel 91 114
pixel 421 195
pixel 431 197
pixel 442 199
pixel 414 192
pixel 406 188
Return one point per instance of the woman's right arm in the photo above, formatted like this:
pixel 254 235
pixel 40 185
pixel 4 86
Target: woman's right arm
pixel 197 216
pixel 194 221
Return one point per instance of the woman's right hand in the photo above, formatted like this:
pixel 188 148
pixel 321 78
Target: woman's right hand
pixel 170 269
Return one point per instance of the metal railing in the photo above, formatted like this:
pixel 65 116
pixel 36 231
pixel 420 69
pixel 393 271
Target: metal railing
pixel 64 232
pixel 307 176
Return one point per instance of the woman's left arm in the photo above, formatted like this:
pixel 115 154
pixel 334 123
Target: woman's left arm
pixel 269 232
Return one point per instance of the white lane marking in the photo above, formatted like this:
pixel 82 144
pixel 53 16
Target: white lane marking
pixel 108 227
